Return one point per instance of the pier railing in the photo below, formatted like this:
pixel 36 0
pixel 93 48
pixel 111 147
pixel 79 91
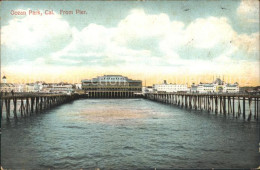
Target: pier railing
pixel 225 103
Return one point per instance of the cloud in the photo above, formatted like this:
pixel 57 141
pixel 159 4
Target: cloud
pixel 156 40
pixel 144 31
pixel 30 37
pixel 248 11
pixel 138 24
pixel 209 32
pixel 139 38
pixel 249 44
pixel 139 42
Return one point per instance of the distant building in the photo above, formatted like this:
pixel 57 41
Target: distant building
pixel 218 86
pixel 64 88
pixel 250 89
pixel 35 87
pixel 170 87
pixel 30 87
pixel 148 89
pixel 8 87
pixel 4 80
pixel 42 87
pixel 78 86
pixel 19 87
pixel 115 85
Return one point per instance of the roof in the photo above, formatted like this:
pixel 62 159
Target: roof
pixel 231 85
pixel 218 81
pixel 110 78
pixel 6 85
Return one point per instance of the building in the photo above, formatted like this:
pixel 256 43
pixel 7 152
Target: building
pixel 4 80
pixel 112 86
pixel 32 87
pixel 218 86
pixel 8 87
pixel 147 89
pixel 42 87
pixel 61 87
pixel 170 87
pixel 78 86
pixel 250 89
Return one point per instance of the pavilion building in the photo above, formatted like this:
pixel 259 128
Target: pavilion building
pixel 112 86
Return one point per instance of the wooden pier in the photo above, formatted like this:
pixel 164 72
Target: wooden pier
pixel 27 104
pixel 245 105
pixel 231 104
pixel 113 94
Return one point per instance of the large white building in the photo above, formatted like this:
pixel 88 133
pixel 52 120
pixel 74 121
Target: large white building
pixel 218 86
pixel 64 88
pixel 43 87
pixel 170 87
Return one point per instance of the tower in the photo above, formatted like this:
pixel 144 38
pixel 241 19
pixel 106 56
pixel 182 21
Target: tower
pixel 4 80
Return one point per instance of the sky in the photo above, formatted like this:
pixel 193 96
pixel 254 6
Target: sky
pixel 178 41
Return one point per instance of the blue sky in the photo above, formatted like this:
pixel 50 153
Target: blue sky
pixel 149 40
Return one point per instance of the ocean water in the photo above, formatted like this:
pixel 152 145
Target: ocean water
pixel 128 134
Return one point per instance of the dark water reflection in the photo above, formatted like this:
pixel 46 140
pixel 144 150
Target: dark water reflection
pixel 127 134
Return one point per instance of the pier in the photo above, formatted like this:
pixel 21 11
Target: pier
pixel 113 94
pixel 231 104
pixel 27 104
pixel 237 105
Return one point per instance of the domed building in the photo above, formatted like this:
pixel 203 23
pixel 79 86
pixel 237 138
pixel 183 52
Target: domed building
pixel 217 86
pixel 8 87
pixel 4 80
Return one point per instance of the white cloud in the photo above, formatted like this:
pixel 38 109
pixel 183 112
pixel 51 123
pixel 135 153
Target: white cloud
pixel 156 33
pixel 225 56
pixel 138 24
pixel 248 11
pixel 35 31
pixel 139 28
pixel 140 41
pixel 209 32
pixel 248 43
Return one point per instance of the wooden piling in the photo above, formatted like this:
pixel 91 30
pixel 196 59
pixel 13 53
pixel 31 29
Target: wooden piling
pixel 32 105
pixel 255 108
pixel 233 110
pixel 22 108
pixel 216 105
pixel 15 105
pixel 1 109
pixel 244 107
pixel 239 107
pixel 224 104
pixel 250 112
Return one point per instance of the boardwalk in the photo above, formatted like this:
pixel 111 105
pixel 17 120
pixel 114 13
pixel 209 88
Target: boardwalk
pixel 29 103
pixel 234 104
